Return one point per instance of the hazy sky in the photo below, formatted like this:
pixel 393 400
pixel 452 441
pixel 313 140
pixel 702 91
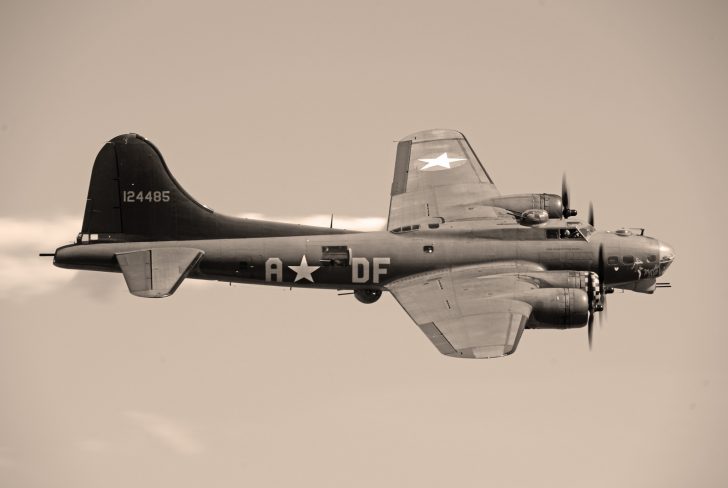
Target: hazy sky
pixel 290 110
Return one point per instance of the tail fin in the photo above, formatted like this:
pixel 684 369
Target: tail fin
pixel 134 197
pixel 132 193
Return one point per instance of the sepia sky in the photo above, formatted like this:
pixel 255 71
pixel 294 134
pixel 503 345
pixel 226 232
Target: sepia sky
pixel 290 110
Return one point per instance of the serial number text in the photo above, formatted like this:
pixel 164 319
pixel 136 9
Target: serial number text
pixel 151 196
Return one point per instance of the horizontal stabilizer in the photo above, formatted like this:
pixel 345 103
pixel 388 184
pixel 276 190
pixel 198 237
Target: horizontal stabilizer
pixel 156 273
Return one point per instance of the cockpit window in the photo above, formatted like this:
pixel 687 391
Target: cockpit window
pixel 586 231
pixel 612 260
pixel 572 233
pixel 628 259
pixel 569 233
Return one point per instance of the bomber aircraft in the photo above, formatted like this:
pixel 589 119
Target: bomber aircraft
pixel 472 268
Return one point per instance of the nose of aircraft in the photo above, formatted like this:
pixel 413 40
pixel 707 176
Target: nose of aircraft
pixel 667 256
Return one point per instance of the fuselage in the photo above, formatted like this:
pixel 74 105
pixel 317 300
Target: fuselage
pixel 370 260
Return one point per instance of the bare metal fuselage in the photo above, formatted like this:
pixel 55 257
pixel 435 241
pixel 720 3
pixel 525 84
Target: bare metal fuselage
pixel 374 258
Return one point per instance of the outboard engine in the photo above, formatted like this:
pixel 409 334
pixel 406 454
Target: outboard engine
pixel 552 204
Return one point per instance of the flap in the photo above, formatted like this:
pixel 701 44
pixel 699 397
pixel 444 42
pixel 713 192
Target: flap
pixel 156 273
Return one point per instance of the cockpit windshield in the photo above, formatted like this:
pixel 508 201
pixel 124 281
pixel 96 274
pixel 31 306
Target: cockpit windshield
pixel 577 230
pixel 586 231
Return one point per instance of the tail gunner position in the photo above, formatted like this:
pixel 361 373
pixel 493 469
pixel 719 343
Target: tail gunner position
pixel 473 268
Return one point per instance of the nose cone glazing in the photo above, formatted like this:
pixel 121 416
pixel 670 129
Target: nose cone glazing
pixel 667 256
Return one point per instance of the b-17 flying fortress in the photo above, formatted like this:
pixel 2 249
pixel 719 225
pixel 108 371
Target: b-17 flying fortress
pixel 472 268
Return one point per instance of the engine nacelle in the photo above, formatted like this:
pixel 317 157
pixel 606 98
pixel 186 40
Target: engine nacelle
pixel 563 279
pixel 557 308
pixel 529 201
pixel 367 295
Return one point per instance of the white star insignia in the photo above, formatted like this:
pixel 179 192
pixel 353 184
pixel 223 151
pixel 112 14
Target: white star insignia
pixel 303 271
pixel 442 161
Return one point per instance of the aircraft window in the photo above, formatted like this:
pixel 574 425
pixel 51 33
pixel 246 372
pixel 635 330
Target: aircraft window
pixel 334 255
pixel 570 234
pixel 406 228
pixel 651 258
pixel 612 260
pixel 587 231
pixel 552 233
pixel 628 259
pixel 428 249
pixel 433 226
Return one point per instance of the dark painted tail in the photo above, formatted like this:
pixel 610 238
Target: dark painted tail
pixel 134 197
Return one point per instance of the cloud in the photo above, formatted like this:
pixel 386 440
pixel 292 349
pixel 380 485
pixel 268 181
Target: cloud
pixel 367 224
pixel 167 432
pixel 23 273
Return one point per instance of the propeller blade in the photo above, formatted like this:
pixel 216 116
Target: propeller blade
pixel 568 211
pixel 601 272
pixel 590 329
pixel 591 214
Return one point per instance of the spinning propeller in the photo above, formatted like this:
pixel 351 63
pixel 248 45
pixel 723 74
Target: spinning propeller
pixel 567 212
pixel 601 304
pixel 591 214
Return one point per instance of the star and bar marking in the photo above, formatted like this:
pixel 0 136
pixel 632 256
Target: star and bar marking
pixel 304 271
pixel 442 161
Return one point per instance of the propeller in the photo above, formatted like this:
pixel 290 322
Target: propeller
pixel 591 214
pixel 590 328
pixel 602 272
pixel 567 212
pixel 604 290
pixel 597 303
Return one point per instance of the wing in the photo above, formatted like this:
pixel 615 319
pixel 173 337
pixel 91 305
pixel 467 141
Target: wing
pixel 438 177
pixel 468 311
